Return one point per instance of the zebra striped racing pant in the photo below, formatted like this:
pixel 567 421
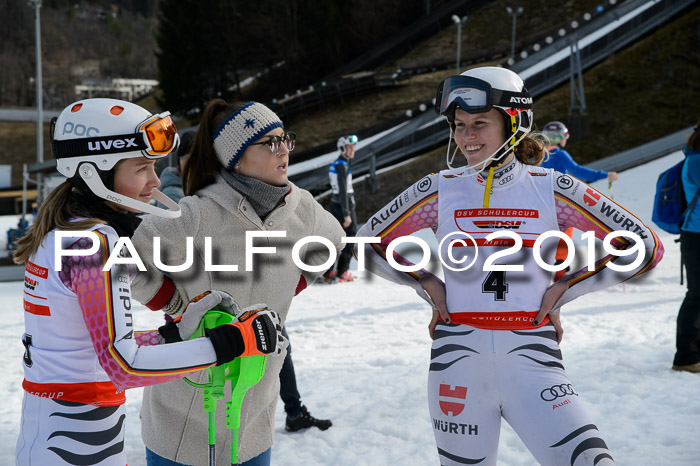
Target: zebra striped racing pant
pixel 62 432
pixel 478 376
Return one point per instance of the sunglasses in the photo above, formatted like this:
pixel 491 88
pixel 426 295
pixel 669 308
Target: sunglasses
pixel 275 142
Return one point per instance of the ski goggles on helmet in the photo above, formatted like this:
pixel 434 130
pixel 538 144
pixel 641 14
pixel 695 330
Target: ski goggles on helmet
pixel 352 139
pixel 155 137
pixel 161 134
pixel 275 142
pixel 474 95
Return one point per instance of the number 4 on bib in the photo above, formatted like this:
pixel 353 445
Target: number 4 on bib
pixel 495 283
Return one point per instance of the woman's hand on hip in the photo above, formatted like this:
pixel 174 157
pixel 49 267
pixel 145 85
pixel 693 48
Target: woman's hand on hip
pixel 550 298
pixel 435 289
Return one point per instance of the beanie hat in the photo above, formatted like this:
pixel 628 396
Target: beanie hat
pixel 242 128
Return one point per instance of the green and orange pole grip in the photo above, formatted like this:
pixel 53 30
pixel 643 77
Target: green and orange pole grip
pixel 243 372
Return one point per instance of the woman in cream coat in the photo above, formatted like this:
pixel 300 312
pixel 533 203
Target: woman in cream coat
pixel 235 182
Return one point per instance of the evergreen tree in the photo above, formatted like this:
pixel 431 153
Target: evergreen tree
pixel 206 47
pixel 196 58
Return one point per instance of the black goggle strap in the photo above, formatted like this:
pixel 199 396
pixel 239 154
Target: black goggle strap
pixel 519 100
pixel 98 146
pixel 52 127
pixel 500 97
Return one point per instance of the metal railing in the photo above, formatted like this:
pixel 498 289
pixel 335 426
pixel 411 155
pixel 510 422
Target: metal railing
pixel 596 41
pixel 642 154
pixel 342 83
pixel 411 36
pixel 407 143
pixel 525 46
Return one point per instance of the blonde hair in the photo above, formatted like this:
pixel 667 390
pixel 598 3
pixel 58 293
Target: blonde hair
pixel 57 212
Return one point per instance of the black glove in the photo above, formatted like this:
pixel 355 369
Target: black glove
pixel 256 331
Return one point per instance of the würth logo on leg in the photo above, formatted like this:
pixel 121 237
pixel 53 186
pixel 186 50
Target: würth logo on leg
pixel 452 407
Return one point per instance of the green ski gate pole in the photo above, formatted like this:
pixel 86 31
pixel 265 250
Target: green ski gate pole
pixel 243 372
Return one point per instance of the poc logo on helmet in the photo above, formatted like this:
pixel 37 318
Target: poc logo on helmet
pixel 80 130
pixel 521 100
pixel 116 143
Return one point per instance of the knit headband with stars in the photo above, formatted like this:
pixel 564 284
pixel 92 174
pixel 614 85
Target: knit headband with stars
pixel 241 129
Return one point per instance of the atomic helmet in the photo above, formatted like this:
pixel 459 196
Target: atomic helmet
pixel 345 141
pixel 91 136
pixel 555 131
pixel 479 90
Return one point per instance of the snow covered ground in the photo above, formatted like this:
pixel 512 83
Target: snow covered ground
pixel 361 352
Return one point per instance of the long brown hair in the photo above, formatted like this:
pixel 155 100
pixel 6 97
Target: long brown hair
pixel 531 150
pixel 57 211
pixel 203 165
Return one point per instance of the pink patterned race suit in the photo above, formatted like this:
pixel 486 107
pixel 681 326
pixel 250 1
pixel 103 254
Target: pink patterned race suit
pixel 82 353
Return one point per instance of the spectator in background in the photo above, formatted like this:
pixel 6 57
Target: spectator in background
pixel 343 206
pixel 561 161
pixel 171 183
pixel 687 356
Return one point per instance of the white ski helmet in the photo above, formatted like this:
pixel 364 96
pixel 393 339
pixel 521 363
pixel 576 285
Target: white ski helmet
pixel 91 136
pixel 479 90
pixel 343 141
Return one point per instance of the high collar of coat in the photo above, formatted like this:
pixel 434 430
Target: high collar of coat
pixel 233 201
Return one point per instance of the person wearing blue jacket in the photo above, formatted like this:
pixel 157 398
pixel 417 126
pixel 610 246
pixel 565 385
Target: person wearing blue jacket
pixel 687 357
pixel 561 161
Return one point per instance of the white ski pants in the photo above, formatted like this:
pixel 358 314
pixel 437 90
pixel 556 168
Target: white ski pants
pixel 478 376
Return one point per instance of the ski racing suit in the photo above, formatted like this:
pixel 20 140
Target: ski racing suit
pixel 82 353
pixel 491 361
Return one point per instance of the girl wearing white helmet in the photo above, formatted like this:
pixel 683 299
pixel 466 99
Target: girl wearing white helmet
pixel 81 348
pixel 495 324
pixel 235 182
